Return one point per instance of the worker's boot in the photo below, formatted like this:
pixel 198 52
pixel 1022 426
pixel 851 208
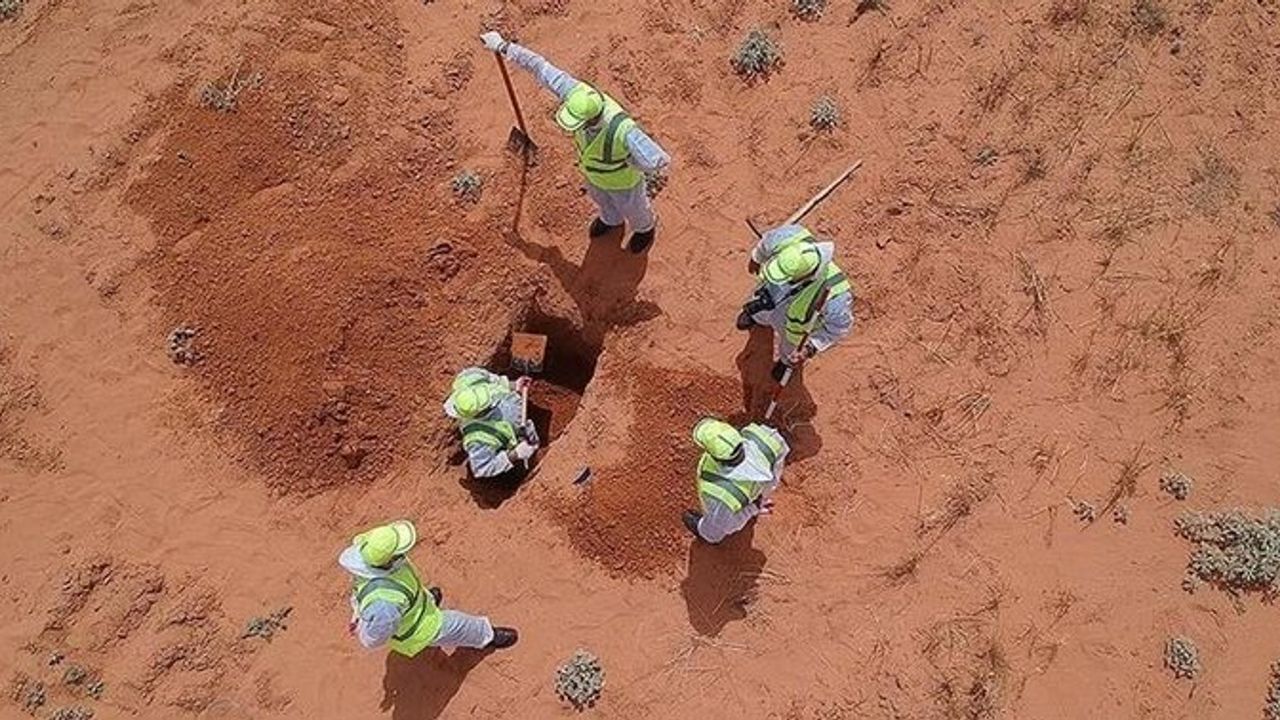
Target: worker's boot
pixel 641 241
pixel 691 520
pixel 745 320
pixel 436 594
pixel 503 637
pixel 599 229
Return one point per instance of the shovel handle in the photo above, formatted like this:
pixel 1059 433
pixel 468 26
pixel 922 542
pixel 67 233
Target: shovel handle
pixel 511 92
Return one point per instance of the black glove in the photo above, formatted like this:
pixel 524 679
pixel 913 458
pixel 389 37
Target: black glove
pixel 759 302
pixel 779 369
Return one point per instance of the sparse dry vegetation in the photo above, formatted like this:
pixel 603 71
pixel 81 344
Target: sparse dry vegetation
pixel 467 186
pixel 1271 709
pixel 1149 16
pixel 825 114
pixel 1176 484
pixel 758 56
pixel 808 9
pixel 1214 182
pixel 10 9
pixel 223 96
pixel 1233 551
pixel 1182 657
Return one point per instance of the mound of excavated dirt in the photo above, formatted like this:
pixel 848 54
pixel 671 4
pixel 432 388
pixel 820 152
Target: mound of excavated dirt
pixel 628 518
pixel 328 304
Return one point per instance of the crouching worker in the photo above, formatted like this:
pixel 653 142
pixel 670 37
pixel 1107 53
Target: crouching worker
pixel 391 605
pixel 737 473
pixel 488 410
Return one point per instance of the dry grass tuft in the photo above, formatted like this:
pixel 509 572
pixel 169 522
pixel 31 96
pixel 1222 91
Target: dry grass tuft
pixel 1126 484
pixel 960 501
pixel 1215 182
pixel 1036 290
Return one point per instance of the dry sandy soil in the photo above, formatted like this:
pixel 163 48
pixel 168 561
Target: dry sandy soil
pixel 1064 242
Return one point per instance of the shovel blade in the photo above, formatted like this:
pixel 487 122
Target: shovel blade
pixel 528 352
pixel 521 144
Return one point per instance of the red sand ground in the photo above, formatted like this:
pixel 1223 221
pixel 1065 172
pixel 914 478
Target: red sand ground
pixel 1063 241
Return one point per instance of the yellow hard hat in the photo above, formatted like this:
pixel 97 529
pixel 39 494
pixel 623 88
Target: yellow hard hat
pixel 583 105
pixel 720 439
pixel 472 400
pixel 379 546
pixel 793 263
pixel 469 377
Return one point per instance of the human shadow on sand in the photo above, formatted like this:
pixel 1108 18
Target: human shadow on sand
pixel 604 286
pixel 796 406
pixel 421 687
pixel 721 581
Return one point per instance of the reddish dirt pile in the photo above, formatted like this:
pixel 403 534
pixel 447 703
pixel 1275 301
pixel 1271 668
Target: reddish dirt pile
pixel 552 407
pixel 325 302
pixel 629 517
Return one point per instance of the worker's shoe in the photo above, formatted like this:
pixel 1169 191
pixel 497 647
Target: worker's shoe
pixel 599 228
pixel 641 241
pixel 745 320
pixel 436 594
pixel 503 637
pixel 691 520
pixel 778 371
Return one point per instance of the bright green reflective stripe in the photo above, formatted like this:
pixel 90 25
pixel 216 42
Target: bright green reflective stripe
pixel 413 627
pixel 827 285
pixel 471 429
pixel 727 485
pixel 609 132
pixel 383 583
pixel 761 443
pixel 612 169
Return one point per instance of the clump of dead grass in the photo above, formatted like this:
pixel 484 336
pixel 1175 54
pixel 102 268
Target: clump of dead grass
pixel 758 56
pixel 974 693
pixel 1149 16
pixel 1037 291
pixel 1215 182
pixel 1176 484
pixel 1271 711
pixel 1233 551
pixel 467 186
pixel 223 96
pixel 865 6
pixel 1065 13
pixel 808 9
pixel 10 9
pixel 1126 483
pixel 1182 657
pixel 824 116
pixel 960 501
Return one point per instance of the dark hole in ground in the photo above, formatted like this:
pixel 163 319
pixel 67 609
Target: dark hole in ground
pixel 554 396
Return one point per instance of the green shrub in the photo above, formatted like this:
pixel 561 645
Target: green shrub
pixel 825 114
pixel 10 9
pixel 758 56
pixel 808 9
pixel 580 680
pixel 1182 657
pixel 1233 551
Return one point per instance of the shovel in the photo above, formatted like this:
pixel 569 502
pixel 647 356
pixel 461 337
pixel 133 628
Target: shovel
pixel 528 353
pixel 518 140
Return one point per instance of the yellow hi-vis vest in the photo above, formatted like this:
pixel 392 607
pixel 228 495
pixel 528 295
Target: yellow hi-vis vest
pixel 603 158
pixel 420 619
pixel 802 308
pixel 736 494
pixel 498 434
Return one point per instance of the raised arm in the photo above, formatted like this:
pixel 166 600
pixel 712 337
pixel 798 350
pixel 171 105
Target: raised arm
pixel 646 155
pixel 548 76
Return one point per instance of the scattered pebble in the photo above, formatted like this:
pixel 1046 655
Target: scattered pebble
pixel 182 345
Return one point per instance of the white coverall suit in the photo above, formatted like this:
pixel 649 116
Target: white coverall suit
pixel 836 319
pixel 616 206
pixel 485 460
pixel 718 520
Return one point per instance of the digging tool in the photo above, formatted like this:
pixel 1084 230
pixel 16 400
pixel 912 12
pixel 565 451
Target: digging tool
pixel 518 140
pixel 528 353
pixel 819 303
pixel 808 207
